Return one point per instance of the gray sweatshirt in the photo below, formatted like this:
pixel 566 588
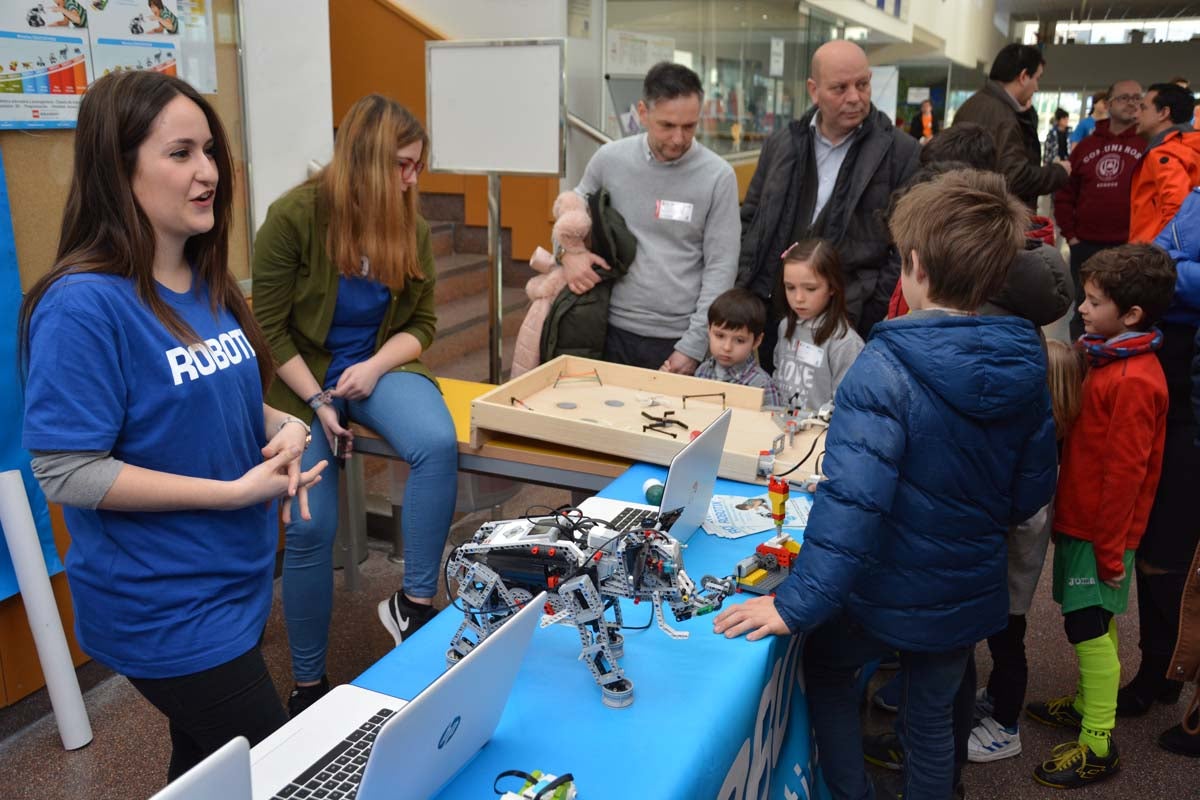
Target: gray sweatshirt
pixel 811 372
pixel 684 214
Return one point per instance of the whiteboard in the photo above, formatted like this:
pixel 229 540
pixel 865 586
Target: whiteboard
pixel 496 106
pixel 287 95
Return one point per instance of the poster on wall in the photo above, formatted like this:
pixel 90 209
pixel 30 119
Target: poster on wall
pixel 134 34
pixel 631 53
pixel 44 64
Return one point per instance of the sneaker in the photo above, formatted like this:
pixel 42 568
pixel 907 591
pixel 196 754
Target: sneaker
pixel 984 705
pixel 883 750
pixel 891 662
pixel 1058 713
pixel 304 696
pixel 887 696
pixel 403 618
pixel 1074 765
pixel 991 741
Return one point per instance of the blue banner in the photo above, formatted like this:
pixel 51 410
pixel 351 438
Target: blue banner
pixel 12 411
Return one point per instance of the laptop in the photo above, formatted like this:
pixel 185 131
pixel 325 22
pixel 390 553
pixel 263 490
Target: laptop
pixel 688 490
pixel 356 743
pixel 224 774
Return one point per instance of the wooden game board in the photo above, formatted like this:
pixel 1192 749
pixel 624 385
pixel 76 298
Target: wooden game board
pixel 598 406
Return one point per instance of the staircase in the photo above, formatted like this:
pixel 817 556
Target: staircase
pixel 460 346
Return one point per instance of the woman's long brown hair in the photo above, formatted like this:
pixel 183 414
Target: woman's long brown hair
pixel 369 214
pixel 105 231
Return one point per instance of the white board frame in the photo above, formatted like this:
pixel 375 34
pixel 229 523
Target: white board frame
pixel 469 96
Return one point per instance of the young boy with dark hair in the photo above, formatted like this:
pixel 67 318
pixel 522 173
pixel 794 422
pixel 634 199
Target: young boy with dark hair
pixel 1111 463
pixel 942 438
pixel 736 320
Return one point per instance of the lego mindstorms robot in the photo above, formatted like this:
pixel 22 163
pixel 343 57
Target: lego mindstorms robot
pixel 585 568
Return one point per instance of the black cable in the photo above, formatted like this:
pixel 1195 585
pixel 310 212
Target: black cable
pixel 811 450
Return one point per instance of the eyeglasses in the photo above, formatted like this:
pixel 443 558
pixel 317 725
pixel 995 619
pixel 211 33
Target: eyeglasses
pixel 1126 98
pixel 409 169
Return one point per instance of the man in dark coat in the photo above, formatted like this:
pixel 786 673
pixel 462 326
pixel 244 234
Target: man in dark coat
pixel 1003 106
pixel 829 174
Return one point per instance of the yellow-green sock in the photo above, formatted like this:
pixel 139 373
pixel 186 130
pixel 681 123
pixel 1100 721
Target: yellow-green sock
pixel 1099 678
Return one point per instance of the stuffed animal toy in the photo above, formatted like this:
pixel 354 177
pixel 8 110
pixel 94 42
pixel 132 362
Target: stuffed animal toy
pixel 572 225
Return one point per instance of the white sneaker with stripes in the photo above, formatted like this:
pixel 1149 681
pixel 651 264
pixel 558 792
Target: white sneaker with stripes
pixel 991 741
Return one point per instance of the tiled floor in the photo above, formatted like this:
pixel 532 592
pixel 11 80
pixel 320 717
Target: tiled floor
pixel 128 756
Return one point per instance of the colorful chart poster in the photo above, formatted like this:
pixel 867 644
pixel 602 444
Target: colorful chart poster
pixel 43 63
pixel 134 34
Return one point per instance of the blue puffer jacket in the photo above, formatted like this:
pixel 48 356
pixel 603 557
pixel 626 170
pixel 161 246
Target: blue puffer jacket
pixel 1181 238
pixel 942 438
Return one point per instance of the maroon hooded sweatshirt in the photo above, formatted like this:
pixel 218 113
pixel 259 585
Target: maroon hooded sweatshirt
pixel 1094 205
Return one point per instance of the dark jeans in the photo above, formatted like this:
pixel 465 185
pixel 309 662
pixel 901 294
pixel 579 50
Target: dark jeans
pixel 1081 252
pixel 766 349
pixel 623 347
pixel 207 709
pixel 1010 671
pixel 931 683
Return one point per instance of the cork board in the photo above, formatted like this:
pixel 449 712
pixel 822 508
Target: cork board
pixel 38 165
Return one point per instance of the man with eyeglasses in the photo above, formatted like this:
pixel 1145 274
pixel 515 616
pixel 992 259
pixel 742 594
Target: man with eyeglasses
pixel 1093 208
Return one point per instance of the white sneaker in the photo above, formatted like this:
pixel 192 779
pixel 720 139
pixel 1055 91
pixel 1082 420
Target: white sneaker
pixel 991 741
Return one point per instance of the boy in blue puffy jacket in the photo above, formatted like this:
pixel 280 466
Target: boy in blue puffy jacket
pixel 941 439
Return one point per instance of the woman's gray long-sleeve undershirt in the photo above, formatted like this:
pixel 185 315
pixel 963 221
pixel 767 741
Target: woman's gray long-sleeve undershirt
pixel 79 479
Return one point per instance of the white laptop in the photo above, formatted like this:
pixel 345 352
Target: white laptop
pixel 409 749
pixel 689 487
pixel 224 774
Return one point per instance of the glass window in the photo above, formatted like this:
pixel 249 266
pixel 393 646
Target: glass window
pixel 751 55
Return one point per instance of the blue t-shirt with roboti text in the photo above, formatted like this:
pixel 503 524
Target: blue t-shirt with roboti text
pixel 156 594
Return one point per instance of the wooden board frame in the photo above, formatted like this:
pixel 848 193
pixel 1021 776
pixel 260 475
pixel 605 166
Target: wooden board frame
pixel 495 412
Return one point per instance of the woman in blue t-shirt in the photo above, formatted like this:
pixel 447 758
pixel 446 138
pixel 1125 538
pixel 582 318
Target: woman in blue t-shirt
pixel 144 374
pixel 343 289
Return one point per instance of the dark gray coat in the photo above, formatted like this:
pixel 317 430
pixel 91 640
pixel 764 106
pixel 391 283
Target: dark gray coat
pixel 880 160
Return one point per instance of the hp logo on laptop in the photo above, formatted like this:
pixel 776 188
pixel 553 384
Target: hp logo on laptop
pixel 448 734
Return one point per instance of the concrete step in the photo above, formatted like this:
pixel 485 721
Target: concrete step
pixel 460 275
pixel 448 207
pixel 463 326
pixel 442 234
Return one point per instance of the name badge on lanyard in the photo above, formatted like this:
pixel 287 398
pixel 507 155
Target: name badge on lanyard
pixel 673 209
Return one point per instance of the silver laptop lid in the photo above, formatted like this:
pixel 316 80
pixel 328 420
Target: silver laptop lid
pixel 692 476
pixel 442 728
pixel 224 774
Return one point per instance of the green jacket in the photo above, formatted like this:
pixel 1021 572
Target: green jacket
pixel 295 292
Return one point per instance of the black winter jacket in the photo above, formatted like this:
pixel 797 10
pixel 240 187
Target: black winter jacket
pixel 881 159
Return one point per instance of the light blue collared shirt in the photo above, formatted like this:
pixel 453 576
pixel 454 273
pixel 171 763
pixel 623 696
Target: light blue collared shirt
pixel 829 158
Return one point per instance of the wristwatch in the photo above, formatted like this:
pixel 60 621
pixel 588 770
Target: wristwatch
pixel 307 430
pixel 560 251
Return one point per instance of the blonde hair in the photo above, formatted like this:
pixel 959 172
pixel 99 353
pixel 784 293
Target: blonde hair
pixel 1065 368
pixel 370 216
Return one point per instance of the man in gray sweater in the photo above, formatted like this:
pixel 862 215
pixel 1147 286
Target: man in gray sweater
pixel 679 199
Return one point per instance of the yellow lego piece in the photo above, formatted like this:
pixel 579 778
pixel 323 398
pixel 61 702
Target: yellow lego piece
pixel 793 546
pixel 754 577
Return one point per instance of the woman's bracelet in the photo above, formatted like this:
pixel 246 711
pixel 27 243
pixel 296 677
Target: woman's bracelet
pixel 307 430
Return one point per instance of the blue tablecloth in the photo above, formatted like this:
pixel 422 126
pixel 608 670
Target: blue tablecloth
pixel 711 717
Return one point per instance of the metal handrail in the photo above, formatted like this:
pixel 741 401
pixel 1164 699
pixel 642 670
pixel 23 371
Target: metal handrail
pixel 589 130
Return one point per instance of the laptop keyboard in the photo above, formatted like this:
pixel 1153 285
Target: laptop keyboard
pixel 630 518
pixel 337 774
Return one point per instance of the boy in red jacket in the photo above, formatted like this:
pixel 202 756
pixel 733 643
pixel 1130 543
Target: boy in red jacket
pixel 1110 468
